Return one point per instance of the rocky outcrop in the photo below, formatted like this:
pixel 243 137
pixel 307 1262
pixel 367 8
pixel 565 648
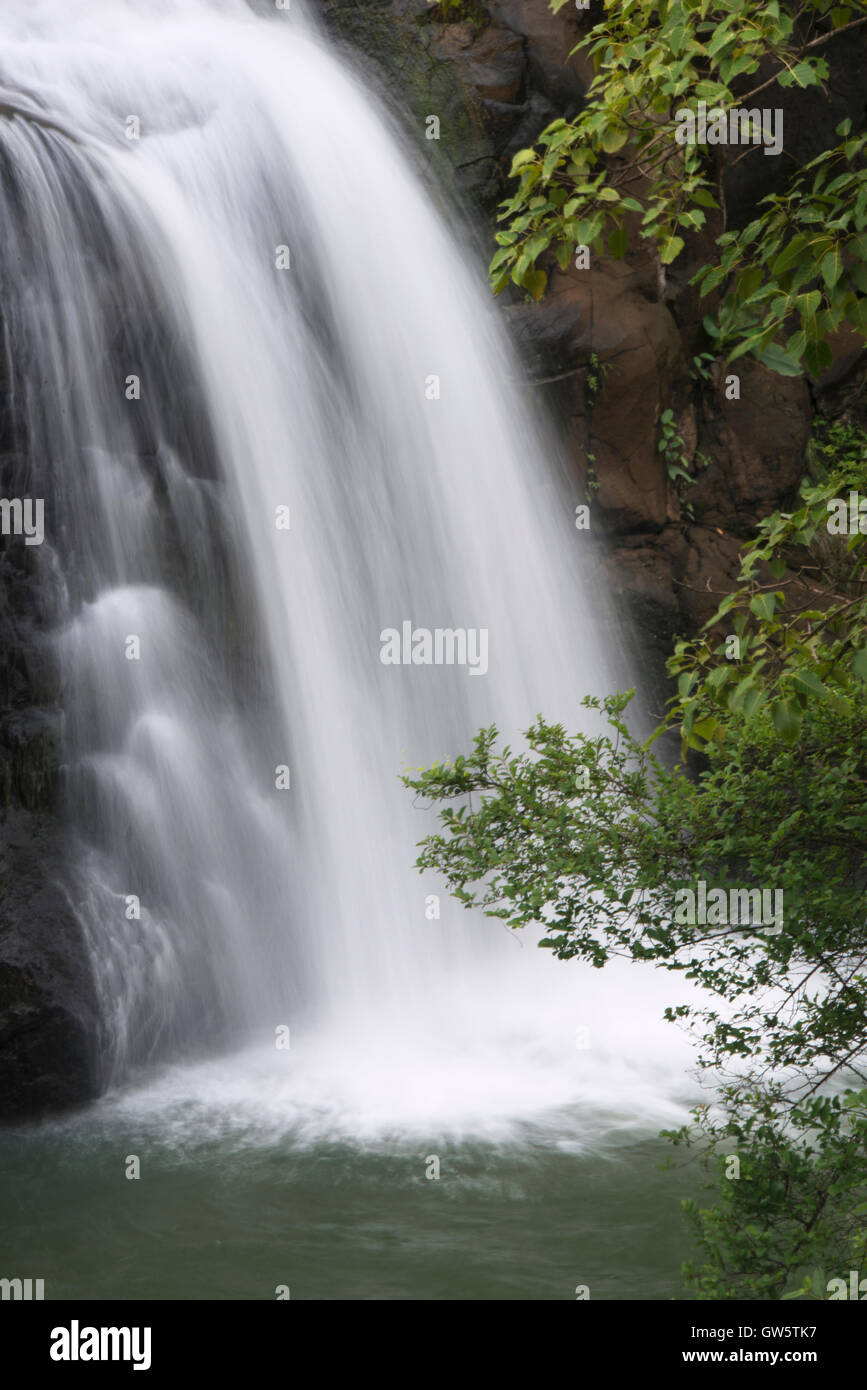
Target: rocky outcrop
pixel 49 1021
pixel 48 1015
pixel 672 551
pixel 629 352
pixel 493 77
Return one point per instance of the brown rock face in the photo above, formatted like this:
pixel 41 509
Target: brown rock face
pixel 550 38
pixel 755 429
pixel 491 62
pixel 627 352
pixel 613 359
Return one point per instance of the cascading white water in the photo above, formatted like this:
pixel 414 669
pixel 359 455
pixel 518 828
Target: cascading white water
pixel 265 386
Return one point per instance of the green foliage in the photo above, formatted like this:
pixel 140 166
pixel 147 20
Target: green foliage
pixel 797 618
pixel 797 1200
pixel 592 485
pixel 798 271
pixel 701 365
pixel 452 11
pixel 590 838
pixel 789 279
pixel 596 374
pixel 672 447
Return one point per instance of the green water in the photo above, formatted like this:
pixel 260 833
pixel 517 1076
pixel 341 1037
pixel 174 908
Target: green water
pixel 214 1219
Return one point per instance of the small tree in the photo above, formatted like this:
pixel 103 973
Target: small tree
pixel 598 841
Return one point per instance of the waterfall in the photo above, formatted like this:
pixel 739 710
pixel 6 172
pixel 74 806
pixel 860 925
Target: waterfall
pixel 273 414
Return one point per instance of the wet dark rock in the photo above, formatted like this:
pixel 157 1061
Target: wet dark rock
pixel 49 1022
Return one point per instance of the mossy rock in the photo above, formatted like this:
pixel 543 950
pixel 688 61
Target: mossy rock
pixel 394 43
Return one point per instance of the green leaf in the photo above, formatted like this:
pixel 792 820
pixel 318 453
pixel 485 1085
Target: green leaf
pixel 535 283
pixel 520 159
pixel 749 282
pixel 722 36
pixel 777 360
pixel 804 74
pixel 807 304
pixel 786 715
pixel 832 267
pixel 671 249
pixel 763 605
pixel 737 696
pixel 818 357
pixel 614 138
pixel 715 679
pixel 618 243
pixel 792 253
pixel 751 702
pixel 808 682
